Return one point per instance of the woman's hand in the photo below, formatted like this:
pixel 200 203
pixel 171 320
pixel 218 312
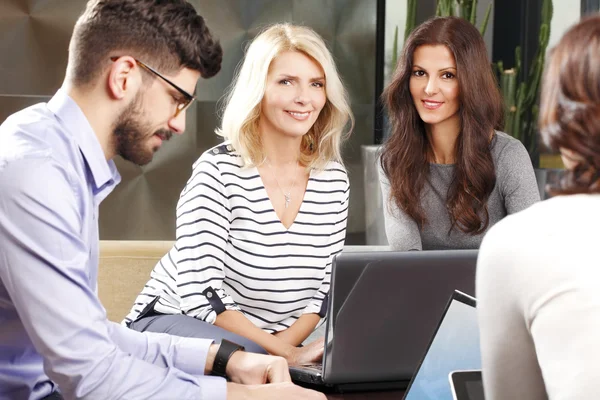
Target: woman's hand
pixel 309 354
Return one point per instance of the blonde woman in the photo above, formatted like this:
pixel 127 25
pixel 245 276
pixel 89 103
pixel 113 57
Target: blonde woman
pixel 263 214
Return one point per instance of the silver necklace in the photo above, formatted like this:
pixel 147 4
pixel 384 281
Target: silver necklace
pixel 286 195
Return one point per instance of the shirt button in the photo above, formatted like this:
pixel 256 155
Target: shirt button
pixel 228 147
pixel 209 295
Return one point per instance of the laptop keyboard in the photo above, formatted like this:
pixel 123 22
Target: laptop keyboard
pixel 317 367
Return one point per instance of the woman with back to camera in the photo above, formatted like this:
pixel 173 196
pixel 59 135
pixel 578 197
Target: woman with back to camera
pixel 263 215
pixel 447 173
pixel 538 273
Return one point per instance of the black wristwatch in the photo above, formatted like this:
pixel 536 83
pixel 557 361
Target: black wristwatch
pixel 226 349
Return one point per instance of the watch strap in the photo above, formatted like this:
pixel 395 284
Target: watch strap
pixel 226 349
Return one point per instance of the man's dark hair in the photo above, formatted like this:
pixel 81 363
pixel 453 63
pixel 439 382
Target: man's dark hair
pixel 167 34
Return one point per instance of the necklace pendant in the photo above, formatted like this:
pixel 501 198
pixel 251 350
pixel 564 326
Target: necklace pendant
pixel 287 200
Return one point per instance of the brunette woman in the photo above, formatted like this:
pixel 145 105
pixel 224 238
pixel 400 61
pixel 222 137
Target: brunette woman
pixel 447 171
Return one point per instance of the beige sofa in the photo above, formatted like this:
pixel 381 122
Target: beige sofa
pixel 125 268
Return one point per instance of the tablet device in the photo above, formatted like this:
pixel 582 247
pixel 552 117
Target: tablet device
pixel 466 385
pixel 454 347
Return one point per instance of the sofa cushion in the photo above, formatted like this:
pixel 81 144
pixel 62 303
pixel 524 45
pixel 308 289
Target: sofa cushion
pixel 124 269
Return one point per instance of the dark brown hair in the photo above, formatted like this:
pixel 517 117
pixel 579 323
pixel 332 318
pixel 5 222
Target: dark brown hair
pixel 570 104
pixel 168 35
pixel 405 156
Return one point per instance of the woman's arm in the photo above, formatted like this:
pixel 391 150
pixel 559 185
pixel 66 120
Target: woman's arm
pixel 236 322
pixel 300 330
pixel 507 352
pixel 203 216
pixel 516 178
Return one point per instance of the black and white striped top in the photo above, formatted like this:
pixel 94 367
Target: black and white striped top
pixel 232 246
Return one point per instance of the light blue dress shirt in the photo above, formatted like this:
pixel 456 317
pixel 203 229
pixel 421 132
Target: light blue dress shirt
pixel 54 333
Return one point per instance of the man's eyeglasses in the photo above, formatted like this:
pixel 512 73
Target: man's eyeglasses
pixel 182 104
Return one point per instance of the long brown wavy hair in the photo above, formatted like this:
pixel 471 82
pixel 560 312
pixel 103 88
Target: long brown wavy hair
pixel 405 156
pixel 570 104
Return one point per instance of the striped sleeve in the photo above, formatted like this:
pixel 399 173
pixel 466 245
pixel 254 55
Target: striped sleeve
pixel 336 242
pixel 203 222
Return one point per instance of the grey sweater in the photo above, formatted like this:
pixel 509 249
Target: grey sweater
pixel 515 190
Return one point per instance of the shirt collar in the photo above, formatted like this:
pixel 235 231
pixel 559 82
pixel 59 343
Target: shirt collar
pixel 73 119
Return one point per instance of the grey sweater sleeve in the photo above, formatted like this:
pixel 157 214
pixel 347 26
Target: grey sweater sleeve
pixel 515 178
pixel 402 231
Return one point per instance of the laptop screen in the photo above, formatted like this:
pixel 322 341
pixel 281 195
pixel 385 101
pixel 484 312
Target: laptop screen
pixel 455 347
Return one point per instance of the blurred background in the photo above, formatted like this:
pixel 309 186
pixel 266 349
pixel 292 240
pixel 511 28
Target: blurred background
pixel 363 36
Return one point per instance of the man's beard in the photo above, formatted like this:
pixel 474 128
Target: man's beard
pixel 130 141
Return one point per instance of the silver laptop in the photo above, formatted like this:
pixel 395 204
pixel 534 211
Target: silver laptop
pixel 382 310
pixel 451 366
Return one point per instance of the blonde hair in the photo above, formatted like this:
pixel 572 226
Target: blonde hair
pixel 323 141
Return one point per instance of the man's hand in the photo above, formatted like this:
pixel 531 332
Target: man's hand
pixel 309 354
pixel 252 368
pixel 276 391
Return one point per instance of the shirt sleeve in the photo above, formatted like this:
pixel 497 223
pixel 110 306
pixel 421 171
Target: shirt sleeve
pixel 401 230
pixel 516 178
pixel 43 265
pixel 203 221
pixel 317 304
pixel 186 354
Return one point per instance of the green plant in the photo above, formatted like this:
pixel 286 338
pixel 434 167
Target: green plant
pixel 466 9
pixel 462 8
pixel 521 98
pixel 411 21
pixel 395 48
pixel 411 17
